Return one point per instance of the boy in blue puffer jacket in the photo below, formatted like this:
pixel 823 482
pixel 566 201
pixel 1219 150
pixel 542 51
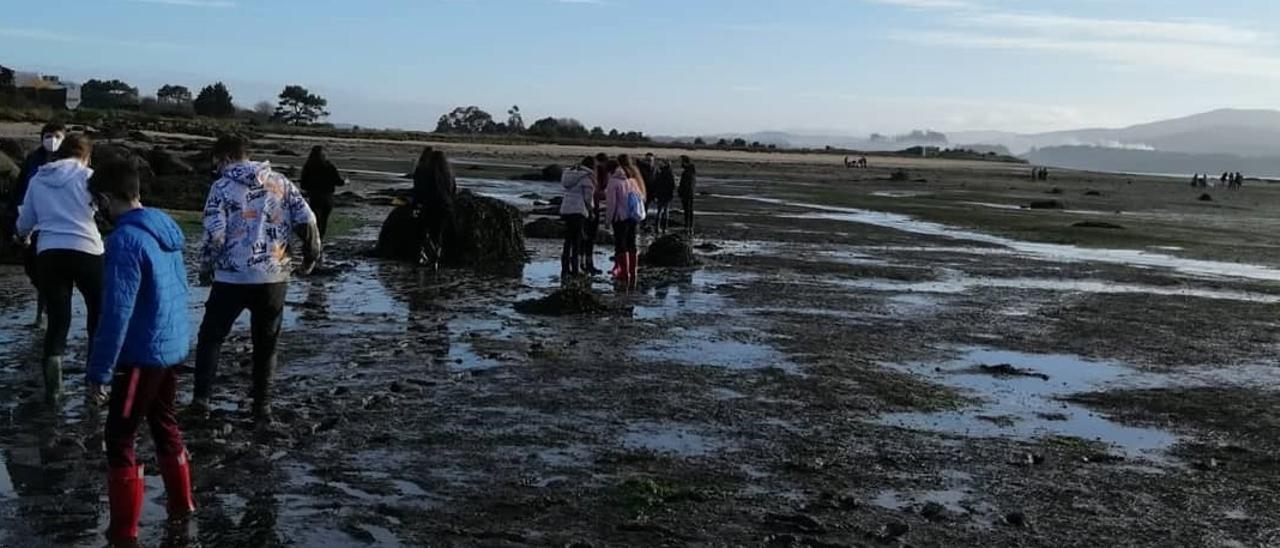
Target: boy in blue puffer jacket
pixel 143 335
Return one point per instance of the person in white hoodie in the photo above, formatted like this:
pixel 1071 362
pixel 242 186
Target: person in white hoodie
pixel 576 205
pixel 59 206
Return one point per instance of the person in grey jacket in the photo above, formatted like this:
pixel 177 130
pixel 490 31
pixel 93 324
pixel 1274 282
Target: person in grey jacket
pixel 577 204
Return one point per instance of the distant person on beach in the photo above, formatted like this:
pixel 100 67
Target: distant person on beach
pixel 69 249
pixel 143 337
pixel 625 210
pixel 577 201
pixel 862 162
pixel 687 190
pixel 249 219
pixel 320 179
pixel 648 167
pixel 663 191
pixel 434 191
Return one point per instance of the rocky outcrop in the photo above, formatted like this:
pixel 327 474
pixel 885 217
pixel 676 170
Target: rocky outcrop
pixel 488 235
pixel 672 250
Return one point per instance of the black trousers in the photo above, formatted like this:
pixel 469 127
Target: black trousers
pixel 624 236
pixel 591 231
pixel 265 303
pixel 58 271
pixel 322 206
pixel 687 205
pixel 574 240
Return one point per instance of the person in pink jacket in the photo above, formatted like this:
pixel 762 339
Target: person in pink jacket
pixel 624 209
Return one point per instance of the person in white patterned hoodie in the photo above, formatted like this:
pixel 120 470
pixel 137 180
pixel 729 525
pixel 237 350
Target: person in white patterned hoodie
pixel 250 217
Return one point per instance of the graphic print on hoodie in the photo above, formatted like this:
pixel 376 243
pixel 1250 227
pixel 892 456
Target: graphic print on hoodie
pixel 248 222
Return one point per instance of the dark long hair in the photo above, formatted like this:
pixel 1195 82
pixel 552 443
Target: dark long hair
pixel 315 161
pixel 434 166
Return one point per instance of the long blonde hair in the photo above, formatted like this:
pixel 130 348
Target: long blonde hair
pixel 633 173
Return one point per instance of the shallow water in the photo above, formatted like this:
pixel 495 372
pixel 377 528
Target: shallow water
pixel 1027 407
pixel 955 283
pixel 1057 252
pixel 671 438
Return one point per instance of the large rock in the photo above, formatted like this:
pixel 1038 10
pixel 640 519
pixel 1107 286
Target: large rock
pixel 545 228
pixel 13 149
pixel 165 163
pixel 572 300
pixel 488 235
pixel 672 250
pixel 9 172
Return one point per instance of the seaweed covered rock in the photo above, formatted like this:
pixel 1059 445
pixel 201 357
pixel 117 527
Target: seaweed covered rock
pixel 545 228
pixel 13 149
pixel 9 172
pixel 488 235
pixel 572 300
pixel 167 181
pixel 550 173
pixel 109 153
pixel 165 163
pixel 672 250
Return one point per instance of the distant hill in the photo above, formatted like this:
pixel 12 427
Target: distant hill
pixel 1226 131
pixel 1153 161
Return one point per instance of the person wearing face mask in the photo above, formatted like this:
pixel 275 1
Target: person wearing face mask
pixel 51 137
pixel 59 207
pixel 144 335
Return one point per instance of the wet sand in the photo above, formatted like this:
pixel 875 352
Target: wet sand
pixel 829 376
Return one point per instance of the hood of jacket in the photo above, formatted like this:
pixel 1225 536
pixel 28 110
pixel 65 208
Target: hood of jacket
pixel 574 176
pixel 62 172
pixel 246 173
pixel 160 226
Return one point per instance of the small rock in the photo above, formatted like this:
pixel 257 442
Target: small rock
pixel 1098 224
pixel 892 531
pixel 1046 204
pixel 933 511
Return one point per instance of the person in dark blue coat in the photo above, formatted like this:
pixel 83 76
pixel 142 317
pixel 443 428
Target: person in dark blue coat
pixel 143 335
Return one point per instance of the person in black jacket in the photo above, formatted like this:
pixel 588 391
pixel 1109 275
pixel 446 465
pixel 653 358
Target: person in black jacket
pixel 663 191
pixel 434 190
pixel 320 179
pixel 688 186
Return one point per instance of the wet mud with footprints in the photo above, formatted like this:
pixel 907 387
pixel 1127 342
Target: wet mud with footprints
pixel 855 362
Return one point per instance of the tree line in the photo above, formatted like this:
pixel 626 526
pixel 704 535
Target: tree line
pixel 473 120
pixel 296 105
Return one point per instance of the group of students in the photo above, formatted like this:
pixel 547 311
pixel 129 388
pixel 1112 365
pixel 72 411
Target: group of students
pixel 620 192
pixel 1229 181
pixel 135 290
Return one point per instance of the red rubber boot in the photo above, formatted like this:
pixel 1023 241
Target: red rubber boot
pixel 633 268
pixel 176 471
pixel 125 488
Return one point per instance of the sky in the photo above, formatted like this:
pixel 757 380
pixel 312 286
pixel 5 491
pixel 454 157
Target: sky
pixel 684 67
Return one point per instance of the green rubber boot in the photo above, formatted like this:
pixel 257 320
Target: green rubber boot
pixel 52 378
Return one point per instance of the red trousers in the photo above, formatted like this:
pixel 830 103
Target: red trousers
pixel 139 394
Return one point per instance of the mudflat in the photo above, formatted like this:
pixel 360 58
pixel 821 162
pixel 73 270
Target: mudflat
pixel 857 361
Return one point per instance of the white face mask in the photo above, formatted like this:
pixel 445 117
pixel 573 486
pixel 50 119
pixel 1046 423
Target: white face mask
pixel 51 142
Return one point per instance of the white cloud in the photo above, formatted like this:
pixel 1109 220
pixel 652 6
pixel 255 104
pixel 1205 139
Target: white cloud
pixel 1196 31
pixel 925 4
pixel 42 35
pixel 192 3
pixel 1185 57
